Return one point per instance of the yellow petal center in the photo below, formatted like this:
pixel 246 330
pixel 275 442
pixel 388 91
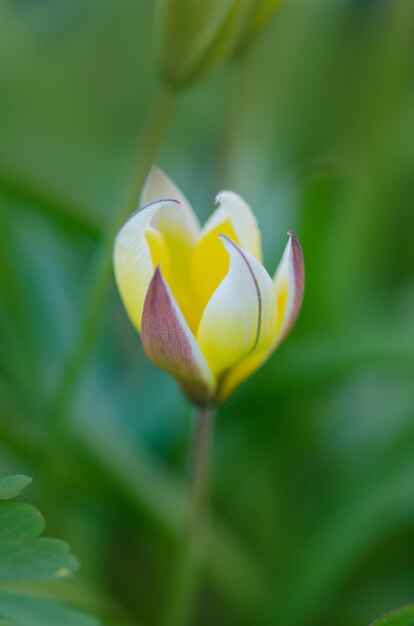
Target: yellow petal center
pixel 159 251
pixel 209 265
pixel 281 299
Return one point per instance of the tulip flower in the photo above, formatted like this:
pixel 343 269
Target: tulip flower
pixel 207 310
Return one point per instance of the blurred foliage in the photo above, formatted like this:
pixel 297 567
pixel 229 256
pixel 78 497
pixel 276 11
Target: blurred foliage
pixel 195 36
pixel 404 617
pixel 312 496
pixel 26 557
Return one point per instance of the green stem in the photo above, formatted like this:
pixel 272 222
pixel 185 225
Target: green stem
pixel 100 463
pixel 180 604
pixel 200 465
pixel 102 268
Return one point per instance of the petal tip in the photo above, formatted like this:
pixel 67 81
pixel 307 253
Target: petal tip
pixel 156 288
pixel 291 272
pixel 228 240
pixel 148 206
pixel 157 273
pixel 293 237
pixel 219 196
pixel 296 251
pixel 153 172
pixel 223 237
pixel 158 185
pixel 226 194
pixel 154 169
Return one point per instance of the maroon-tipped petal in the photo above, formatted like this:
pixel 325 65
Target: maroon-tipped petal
pixel 296 286
pixel 169 343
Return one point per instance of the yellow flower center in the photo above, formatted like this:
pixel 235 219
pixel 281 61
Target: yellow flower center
pixel 196 272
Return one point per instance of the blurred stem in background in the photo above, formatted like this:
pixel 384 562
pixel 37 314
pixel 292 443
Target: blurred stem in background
pixel 184 583
pixel 232 148
pixel 197 37
pixel 102 269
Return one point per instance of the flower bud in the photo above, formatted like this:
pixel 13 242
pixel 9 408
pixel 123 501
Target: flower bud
pixel 198 35
pixel 206 308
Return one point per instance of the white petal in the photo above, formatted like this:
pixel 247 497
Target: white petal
pixel 288 294
pixel 158 186
pixel 240 315
pixel 133 262
pixel 234 209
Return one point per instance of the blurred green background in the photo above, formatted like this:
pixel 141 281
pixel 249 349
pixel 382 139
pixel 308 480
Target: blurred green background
pixel 312 492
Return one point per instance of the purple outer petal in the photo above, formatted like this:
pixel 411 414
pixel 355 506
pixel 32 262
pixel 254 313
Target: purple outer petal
pixel 169 343
pixel 296 286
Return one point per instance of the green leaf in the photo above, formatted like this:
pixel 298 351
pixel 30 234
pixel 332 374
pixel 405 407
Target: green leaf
pixel 12 486
pixel 24 556
pixel 403 617
pixel 27 557
pixel 20 610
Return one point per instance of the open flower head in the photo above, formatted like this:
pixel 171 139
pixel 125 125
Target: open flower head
pixel 207 310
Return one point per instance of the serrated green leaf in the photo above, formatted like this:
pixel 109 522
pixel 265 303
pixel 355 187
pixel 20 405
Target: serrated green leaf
pixel 12 486
pixel 403 617
pixel 24 556
pixel 19 610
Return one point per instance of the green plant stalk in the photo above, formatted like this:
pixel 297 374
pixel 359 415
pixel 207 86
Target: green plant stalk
pixel 233 133
pixel 179 607
pixel 102 268
pixel 153 497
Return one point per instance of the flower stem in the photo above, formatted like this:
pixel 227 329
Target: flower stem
pixel 102 268
pixel 200 464
pixel 180 604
